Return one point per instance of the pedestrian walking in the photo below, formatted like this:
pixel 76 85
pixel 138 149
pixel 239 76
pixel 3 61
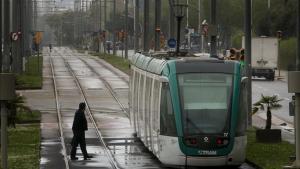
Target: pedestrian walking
pixel 79 127
pixel 50 47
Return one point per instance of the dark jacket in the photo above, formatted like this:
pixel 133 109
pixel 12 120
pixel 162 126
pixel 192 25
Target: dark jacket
pixel 79 123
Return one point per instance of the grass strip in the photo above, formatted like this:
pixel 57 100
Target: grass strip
pixel 118 62
pixel 24 147
pixel 32 77
pixel 28 117
pixel 268 156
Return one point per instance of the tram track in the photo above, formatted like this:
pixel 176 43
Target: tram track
pixel 116 141
pixel 114 71
pixel 107 85
pixel 64 151
pixel 109 155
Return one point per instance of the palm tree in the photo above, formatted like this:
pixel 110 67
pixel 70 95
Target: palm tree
pixel 271 102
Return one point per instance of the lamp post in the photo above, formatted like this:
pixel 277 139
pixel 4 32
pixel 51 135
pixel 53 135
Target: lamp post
pixel 179 12
pixel 279 36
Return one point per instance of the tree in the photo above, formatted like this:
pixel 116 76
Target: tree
pixel 271 102
pixel 63 26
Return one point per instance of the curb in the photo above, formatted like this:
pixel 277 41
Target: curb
pixel 253 164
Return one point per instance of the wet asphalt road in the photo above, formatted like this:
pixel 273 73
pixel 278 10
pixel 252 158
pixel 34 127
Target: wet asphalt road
pixel 111 119
pixel 269 88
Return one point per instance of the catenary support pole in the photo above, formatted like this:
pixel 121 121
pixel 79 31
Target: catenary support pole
pixel 187 14
pixel 199 17
pixel 172 20
pixel 292 82
pixel 1 23
pixel 146 25
pixel 114 28
pixel 136 25
pixel 248 35
pixel 179 19
pixel 126 29
pixel 296 163
pixel 297 100
pixel 213 42
pixel 104 11
pixel 157 24
pixel 3 136
pixel 100 25
pixel 6 35
pixel 35 15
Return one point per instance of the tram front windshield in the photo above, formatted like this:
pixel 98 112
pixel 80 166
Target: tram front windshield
pixel 205 102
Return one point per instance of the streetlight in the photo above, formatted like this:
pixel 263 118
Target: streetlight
pixel 179 12
pixel 279 36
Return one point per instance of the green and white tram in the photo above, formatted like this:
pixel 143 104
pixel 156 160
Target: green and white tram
pixel 189 111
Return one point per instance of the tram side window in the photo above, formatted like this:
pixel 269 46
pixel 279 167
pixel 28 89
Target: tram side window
pixel 167 118
pixel 131 83
pixel 242 116
pixel 141 100
pixel 136 89
pixel 148 96
pixel 155 108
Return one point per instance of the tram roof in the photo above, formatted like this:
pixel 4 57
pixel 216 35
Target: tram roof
pixel 156 62
pixel 147 63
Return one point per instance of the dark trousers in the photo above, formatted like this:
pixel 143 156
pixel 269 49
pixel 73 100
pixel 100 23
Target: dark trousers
pixel 78 138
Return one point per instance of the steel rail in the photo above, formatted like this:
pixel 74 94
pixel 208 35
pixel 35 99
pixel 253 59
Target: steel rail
pixel 115 72
pixel 59 115
pixel 107 151
pixel 108 86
